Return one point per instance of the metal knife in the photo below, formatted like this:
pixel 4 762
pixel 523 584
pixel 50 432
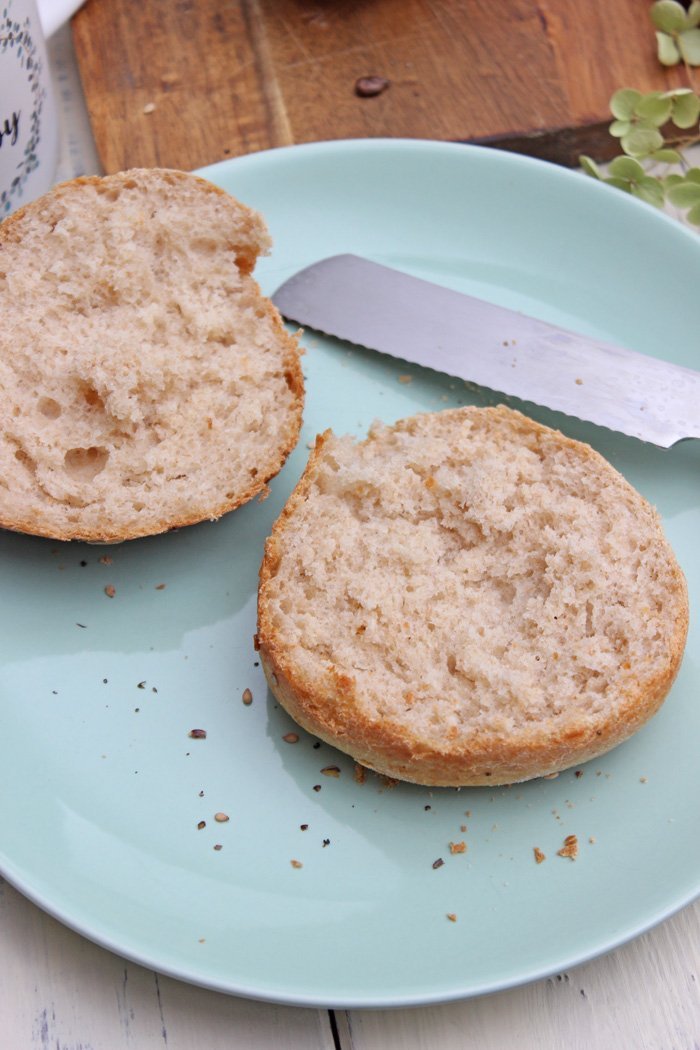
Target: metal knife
pixel 426 324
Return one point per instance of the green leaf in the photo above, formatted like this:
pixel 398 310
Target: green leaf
pixel 693 15
pixel 686 110
pixel 654 109
pixel 669 16
pixel 619 184
pixel 618 128
pixel 590 167
pixel 626 168
pixel 623 103
pixel 650 190
pixel 672 180
pixel 685 194
pixel 666 50
pixel 694 215
pixel 692 175
pixel 689 44
pixel 677 92
pixel 667 156
pixel 640 142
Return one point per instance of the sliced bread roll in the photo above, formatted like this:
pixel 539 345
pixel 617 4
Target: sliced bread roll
pixel 468 597
pixel 146 383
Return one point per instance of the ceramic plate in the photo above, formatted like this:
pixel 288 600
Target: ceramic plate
pixel 101 787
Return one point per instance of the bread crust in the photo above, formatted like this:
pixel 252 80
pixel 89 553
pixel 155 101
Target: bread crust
pixel 390 747
pixel 252 234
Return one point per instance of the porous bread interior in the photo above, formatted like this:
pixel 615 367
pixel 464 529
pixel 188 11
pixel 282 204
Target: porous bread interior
pixel 474 576
pixel 145 380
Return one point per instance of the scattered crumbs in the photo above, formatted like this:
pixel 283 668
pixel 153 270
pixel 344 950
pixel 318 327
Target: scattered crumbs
pixel 359 773
pixel 326 842
pixel 458 847
pixel 153 689
pixel 105 560
pixel 201 794
pixel 598 773
pixel 389 782
pixel 438 863
pixel 317 745
pixel 221 818
pixel 426 808
pixel 304 827
pixel 198 734
pixel 451 916
pixel 202 940
pixel 104 681
pixel 149 108
pixel 247 697
pixel 317 787
pixel 591 839
pixel 296 864
pixel 83 625
pixel 83 564
pixel 141 685
pixel 256 663
pixel 110 591
pixel 505 342
pixel 331 771
pixel 570 848
pixel 218 846
pixel 55 692
pixel 539 855
pixel 291 738
pixel 405 379
pixel 569 804
pixel 578 773
pixel 579 382
pixel 201 824
pixel 160 586
pixel 550 776
pixel 462 828
pixel 642 780
pixel 468 813
pixel 136 710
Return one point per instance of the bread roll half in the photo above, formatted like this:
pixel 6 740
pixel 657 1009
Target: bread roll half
pixel 467 598
pixel 146 383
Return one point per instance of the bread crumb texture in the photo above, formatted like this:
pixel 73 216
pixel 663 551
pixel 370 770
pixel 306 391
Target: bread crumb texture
pixel 146 382
pixel 468 597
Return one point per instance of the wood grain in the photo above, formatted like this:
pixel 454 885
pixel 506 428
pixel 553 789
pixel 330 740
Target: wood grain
pixel 184 83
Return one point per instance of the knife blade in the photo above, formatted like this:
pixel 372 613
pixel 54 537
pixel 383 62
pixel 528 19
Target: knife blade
pixel 427 324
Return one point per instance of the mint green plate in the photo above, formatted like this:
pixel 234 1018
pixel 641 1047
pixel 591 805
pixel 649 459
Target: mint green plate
pixel 101 787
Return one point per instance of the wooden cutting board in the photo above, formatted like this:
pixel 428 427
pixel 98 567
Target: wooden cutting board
pixel 184 83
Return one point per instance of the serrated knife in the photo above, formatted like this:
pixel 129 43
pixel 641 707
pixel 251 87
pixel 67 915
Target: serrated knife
pixel 509 352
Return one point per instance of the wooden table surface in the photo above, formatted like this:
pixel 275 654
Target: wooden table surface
pixel 58 991
pixel 185 83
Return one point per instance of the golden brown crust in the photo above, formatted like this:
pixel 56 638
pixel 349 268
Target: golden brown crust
pixel 392 749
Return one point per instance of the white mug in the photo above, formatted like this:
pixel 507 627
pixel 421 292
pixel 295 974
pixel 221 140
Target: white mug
pixel 28 119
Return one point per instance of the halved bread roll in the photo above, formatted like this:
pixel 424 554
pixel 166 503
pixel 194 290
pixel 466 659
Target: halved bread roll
pixel 468 597
pixel 146 382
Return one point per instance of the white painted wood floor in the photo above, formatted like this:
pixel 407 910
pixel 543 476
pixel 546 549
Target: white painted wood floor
pixel 60 992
